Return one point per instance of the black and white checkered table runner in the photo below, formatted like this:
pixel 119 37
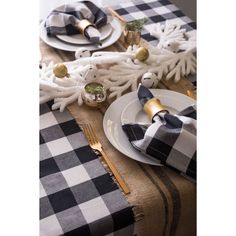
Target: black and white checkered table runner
pixel 155 11
pixel 77 195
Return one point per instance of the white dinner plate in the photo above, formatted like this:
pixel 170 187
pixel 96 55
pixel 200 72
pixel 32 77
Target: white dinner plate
pixel 59 44
pixel 127 109
pixel 79 39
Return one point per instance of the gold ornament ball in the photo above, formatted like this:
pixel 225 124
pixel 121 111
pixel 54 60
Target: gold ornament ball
pixel 142 54
pixel 60 71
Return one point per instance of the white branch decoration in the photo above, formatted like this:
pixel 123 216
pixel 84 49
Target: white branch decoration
pixel 173 38
pixel 65 90
pixel 173 57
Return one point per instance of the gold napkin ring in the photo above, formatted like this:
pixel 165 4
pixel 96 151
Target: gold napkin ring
pixel 152 107
pixel 83 25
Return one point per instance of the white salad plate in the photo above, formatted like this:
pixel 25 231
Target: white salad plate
pixel 127 109
pixel 59 44
pixel 79 39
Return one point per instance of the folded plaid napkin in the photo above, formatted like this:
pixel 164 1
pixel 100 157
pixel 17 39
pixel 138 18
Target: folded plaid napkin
pixel 64 20
pixel 170 138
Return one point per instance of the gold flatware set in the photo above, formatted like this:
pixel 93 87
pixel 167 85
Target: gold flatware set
pixel 96 145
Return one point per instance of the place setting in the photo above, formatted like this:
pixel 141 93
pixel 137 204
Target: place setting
pixel 151 126
pixel 72 26
pixel 128 110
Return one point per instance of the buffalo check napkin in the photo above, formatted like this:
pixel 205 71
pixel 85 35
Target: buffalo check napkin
pixel 64 19
pixel 170 139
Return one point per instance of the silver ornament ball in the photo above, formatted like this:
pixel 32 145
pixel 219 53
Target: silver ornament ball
pixel 82 52
pixel 149 79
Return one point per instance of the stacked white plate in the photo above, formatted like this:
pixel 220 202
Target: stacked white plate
pixel 127 109
pixel 110 33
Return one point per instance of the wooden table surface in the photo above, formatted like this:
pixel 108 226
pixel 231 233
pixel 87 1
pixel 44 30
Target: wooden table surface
pixel 164 202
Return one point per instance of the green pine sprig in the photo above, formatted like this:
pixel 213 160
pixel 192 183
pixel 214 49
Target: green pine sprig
pixel 136 25
pixel 94 88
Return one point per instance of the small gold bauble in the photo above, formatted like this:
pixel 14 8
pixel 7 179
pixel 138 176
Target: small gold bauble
pixel 60 71
pixel 142 54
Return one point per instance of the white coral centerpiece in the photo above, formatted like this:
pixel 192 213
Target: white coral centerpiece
pixel 172 58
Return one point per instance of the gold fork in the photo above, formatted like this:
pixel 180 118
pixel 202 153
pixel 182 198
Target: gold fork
pixel 96 145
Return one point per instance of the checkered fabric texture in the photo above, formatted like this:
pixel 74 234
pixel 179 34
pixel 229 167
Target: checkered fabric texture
pixel 155 11
pixel 77 195
pixel 170 139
